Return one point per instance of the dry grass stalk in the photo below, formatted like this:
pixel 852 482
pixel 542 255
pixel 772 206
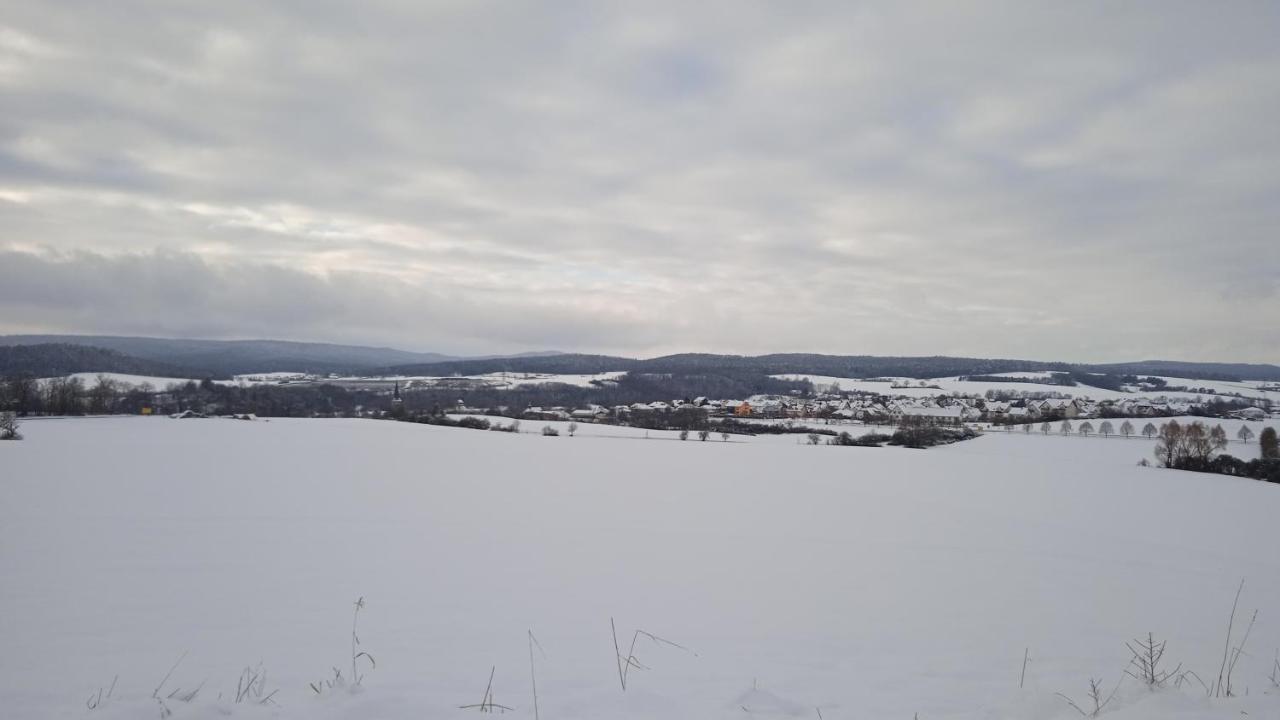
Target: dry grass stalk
pixel 625 664
pixel 533 677
pixel 1231 655
pixel 487 704
pixel 95 701
pixel 1095 696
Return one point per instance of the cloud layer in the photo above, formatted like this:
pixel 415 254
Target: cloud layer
pixel 1017 179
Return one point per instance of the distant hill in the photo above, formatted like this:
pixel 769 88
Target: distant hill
pixel 852 366
pixel 696 363
pixel 1203 371
pixel 223 358
pixel 54 359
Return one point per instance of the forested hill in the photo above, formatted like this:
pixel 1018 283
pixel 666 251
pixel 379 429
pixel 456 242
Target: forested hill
pixel 221 359
pixel 1204 370
pixel 224 358
pixel 853 366
pixel 55 359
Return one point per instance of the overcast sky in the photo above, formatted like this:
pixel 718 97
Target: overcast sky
pixel 1081 181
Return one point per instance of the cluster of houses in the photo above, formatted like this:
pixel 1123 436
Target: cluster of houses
pixel 941 409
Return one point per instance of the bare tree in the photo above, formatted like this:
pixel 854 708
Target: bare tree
pixel 1198 441
pixel 703 434
pixel 1086 428
pixel 814 438
pixel 1046 427
pixel 1149 430
pixel 24 393
pixel 1126 428
pixel 684 434
pixel 101 395
pixel 1218 437
pixel 1168 449
pixel 1065 428
pixel 1105 429
pixel 572 428
pixel 1245 434
pixel 724 436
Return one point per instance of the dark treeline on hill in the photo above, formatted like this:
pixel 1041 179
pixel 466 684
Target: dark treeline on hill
pixel 224 358
pixel 859 366
pixel 221 359
pixel 1193 370
pixel 54 359
pixel 851 366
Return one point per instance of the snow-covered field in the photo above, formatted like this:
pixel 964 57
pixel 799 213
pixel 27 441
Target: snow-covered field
pixel 906 387
pixel 159 383
pixel 505 381
pixel 1121 449
pixel 586 429
pixel 952 385
pixel 498 381
pixel 854 582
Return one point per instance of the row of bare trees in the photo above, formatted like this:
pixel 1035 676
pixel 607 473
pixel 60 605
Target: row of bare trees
pixel 1217 434
pixel 25 395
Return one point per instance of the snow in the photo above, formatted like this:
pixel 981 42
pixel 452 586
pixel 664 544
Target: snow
pixel 1114 450
pixel 500 381
pixel 497 381
pixel 864 583
pixel 602 430
pixel 953 385
pixel 159 383
pixel 510 380
pixel 1248 388
pixel 270 378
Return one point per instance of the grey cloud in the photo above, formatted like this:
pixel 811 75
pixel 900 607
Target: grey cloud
pixel 979 177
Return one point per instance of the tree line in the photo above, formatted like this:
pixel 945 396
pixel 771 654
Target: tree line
pixel 1196 447
pixel 25 395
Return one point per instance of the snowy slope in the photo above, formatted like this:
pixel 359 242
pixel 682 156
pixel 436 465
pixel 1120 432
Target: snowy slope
pixel 1115 449
pixel 867 583
pixel 159 383
pixel 952 385
pixel 499 381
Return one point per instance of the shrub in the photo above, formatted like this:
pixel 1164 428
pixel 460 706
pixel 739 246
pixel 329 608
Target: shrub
pixel 548 431
pixel 9 427
pixel 1270 445
pixel 474 423
pixel 870 439
pixel 916 432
